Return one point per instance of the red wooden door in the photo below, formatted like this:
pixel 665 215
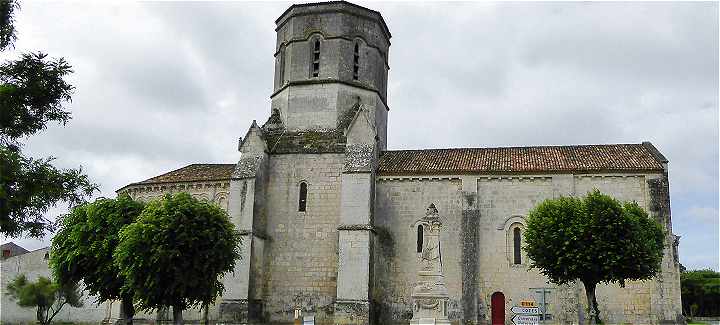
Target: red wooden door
pixel 497 308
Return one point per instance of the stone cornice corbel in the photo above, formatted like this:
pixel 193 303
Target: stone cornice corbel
pixel 255 233
pixel 356 227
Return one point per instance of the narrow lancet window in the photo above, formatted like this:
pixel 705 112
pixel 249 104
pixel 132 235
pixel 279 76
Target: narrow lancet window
pixel 282 65
pixel 316 59
pixel 516 246
pixel 356 62
pixel 420 239
pixel 302 202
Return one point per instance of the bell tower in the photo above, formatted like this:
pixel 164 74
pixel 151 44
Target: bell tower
pixel 312 167
pixel 330 57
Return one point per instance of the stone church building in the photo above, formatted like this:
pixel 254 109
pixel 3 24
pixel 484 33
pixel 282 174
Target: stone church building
pixel 327 211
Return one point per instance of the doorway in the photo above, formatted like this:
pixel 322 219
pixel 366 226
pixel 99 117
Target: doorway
pixel 497 308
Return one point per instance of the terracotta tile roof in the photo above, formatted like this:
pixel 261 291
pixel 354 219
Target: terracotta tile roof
pixel 192 173
pixel 579 158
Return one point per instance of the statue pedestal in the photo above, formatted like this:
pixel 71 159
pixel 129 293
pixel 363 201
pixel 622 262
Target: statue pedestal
pixel 430 300
pixel 430 296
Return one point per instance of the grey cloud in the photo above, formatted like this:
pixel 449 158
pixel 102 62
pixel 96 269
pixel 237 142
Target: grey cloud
pixel 160 85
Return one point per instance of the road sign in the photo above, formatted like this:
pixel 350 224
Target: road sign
pixel 309 320
pixel 525 310
pixel 526 319
pixel 528 303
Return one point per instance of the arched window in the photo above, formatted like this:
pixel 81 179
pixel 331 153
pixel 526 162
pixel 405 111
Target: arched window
pixel 316 58
pixel 282 65
pixel 516 246
pixel 302 201
pixel 356 62
pixel 419 239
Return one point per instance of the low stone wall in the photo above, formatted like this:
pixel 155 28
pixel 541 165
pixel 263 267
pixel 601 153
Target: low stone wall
pixel 34 265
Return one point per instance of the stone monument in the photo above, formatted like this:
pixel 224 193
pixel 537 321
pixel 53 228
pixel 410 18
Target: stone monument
pixel 430 296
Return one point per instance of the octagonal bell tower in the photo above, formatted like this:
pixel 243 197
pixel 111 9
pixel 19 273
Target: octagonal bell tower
pixel 329 58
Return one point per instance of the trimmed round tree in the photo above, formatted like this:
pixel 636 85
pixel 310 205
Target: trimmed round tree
pixel 594 239
pixel 82 250
pixel 175 253
pixel 46 296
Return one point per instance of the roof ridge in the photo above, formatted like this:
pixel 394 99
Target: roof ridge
pixel 197 172
pixel 517 147
pixel 183 167
pixel 209 164
pixel 619 157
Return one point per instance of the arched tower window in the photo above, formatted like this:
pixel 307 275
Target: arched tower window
pixel 356 62
pixel 316 58
pixel 302 201
pixel 282 65
pixel 516 246
pixel 419 239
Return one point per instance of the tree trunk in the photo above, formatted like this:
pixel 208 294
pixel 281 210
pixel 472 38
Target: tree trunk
pixel 40 315
pixel 593 311
pixel 597 310
pixel 206 321
pixel 162 315
pixel 177 315
pixel 128 310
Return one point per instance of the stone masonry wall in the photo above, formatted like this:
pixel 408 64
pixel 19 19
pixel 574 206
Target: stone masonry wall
pixel 34 265
pixel 217 191
pixel 301 254
pixel 503 202
pixel 398 205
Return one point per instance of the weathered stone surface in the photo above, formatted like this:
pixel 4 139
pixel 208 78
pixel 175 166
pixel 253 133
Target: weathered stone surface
pixel 241 311
pixel 359 158
pixel 352 312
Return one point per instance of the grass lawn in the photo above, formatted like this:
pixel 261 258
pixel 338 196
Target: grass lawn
pixel 696 323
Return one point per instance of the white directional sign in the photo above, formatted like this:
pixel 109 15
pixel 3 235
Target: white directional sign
pixel 526 319
pixel 525 310
pixel 309 320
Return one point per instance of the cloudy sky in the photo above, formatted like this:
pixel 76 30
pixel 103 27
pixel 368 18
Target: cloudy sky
pixel 162 85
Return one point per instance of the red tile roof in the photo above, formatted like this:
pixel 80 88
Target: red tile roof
pixel 579 158
pixel 192 173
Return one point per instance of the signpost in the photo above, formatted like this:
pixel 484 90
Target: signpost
pixel 543 294
pixel 528 303
pixel 526 315
pixel 309 320
pixel 526 319
pixel 530 312
pixel 525 310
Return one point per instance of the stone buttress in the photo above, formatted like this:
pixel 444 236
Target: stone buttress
pixel 355 231
pixel 242 300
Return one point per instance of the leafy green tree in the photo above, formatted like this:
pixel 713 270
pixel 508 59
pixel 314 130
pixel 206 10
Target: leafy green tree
pixel 594 239
pixel 701 290
pixel 175 252
pixel 48 297
pixel 33 93
pixel 82 250
pixel 30 187
pixel 7 23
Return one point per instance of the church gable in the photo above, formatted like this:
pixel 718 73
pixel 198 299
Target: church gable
pixel 361 128
pixel 281 141
pixel 253 141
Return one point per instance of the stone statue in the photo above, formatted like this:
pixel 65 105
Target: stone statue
pixel 429 295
